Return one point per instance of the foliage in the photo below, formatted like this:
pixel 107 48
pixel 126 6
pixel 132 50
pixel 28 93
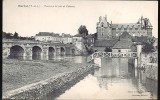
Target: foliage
pixel 83 30
pixel 95 36
pixel 15 36
pixel 89 49
pixel 148 46
pixel 7 35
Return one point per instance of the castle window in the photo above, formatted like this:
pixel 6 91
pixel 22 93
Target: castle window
pixel 102 34
pixel 102 25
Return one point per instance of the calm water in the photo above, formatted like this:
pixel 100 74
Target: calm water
pixel 114 80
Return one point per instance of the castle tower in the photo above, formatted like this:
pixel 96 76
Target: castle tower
pixel 103 28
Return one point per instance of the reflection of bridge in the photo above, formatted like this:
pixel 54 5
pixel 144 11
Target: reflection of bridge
pixel 112 55
pixel 33 49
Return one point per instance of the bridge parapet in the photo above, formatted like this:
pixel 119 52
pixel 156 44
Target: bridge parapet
pixel 112 55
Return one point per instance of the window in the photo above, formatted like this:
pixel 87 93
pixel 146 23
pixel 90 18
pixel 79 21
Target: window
pixel 119 50
pixel 102 34
pixel 102 25
pixel 102 29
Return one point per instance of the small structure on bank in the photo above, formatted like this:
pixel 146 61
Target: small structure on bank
pixel 124 43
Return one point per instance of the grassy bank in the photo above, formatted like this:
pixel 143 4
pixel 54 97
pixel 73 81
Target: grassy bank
pixel 18 73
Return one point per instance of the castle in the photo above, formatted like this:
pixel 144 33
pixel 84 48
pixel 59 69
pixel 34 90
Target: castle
pixel 106 30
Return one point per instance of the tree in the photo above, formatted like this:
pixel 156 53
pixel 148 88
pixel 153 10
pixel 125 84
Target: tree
pixel 148 46
pixel 15 36
pixel 83 30
pixel 9 35
pixel 4 34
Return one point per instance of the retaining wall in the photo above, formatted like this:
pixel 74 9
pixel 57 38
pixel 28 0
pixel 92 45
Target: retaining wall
pixel 150 63
pixel 42 88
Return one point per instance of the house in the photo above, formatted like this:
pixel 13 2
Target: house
pixel 44 36
pixel 78 41
pixel 101 45
pixel 124 43
pixel 66 38
pixel 90 39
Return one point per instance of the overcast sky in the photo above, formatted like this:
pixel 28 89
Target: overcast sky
pixel 28 21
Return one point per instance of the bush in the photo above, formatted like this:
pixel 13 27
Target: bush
pixel 148 47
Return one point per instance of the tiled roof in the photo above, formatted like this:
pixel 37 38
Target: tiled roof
pixel 105 43
pixel 123 44
pixel 140 39
pixel 45 34
pixel 125 35
pixel 66 35
pixel 126 25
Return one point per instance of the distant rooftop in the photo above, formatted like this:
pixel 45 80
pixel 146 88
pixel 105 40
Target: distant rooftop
pixel 123 45
pixel 140 39
pixel 45 34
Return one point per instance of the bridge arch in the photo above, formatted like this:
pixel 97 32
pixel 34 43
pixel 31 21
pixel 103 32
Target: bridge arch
pixel 51 52
pixel 36 52
pixel 62 51
pixel 16 52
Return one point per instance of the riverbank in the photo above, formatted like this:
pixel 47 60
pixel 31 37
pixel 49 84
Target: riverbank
pixel 40 89
pixel 18 73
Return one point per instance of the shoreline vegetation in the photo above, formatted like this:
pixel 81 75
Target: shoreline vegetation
pixel 18 73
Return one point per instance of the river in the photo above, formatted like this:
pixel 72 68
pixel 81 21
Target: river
pixel 116 79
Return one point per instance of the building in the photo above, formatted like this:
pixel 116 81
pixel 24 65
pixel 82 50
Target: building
pixel 106 30
pixel 124 43
pixel 101 45
pixel 53 37
pixel 57 38
pixel 44 36
pixel 90 39
pixel 66 38
pixel 78 41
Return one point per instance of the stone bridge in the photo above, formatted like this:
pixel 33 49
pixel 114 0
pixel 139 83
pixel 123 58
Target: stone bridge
pixel 28 49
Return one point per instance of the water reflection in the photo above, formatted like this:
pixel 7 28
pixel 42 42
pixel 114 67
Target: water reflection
pixel 116 79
